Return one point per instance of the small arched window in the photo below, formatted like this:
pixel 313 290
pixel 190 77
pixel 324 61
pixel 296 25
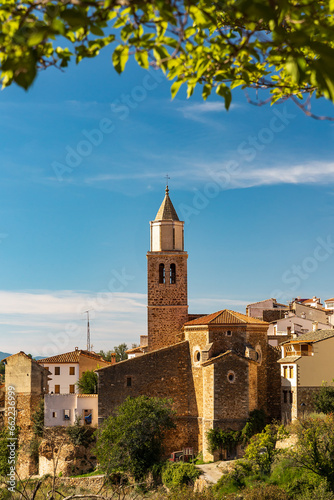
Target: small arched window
pixel 161 273
pixel 172 274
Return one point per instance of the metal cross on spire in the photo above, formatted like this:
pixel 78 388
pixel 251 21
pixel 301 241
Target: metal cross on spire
pixel 167 179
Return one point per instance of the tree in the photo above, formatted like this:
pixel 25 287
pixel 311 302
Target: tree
pixel 315 447
pixel 87 383
pixel 38 419
pixel 324 399
pixel 221 440
pixel 120 352
pixel 106 355
pixel 131 441
pixel 261 450
pixel 285 47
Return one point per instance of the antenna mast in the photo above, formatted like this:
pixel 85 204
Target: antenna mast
pixel 88 331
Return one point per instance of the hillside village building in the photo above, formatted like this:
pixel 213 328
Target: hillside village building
pixel 306 363
pixel 216 368
pixel 66 369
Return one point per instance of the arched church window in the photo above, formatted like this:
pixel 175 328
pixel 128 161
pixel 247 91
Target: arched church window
pixel 172 274
pixel 162 273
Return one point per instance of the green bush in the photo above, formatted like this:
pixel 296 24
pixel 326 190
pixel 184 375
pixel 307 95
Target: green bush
pixel 175 475
pixel 292 479
pixel 320 492
pixel 80 435
pixel 262 492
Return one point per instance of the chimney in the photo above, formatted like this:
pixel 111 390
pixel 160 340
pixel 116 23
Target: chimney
pixel 315 325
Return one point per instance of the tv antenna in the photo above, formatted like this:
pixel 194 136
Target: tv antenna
pixel 89 347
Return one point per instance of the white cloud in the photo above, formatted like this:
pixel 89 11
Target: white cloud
pixel 312 173
pixel 47 322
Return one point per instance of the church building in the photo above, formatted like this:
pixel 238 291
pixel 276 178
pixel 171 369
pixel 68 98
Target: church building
pixel 215 368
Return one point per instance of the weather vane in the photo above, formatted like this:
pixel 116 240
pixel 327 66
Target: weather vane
pixel 167 178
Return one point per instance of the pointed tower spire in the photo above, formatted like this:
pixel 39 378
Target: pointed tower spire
pixel 166 210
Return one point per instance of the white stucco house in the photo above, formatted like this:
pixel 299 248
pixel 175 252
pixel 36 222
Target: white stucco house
pixel 62 409
pixel 66 369
pixel 306 363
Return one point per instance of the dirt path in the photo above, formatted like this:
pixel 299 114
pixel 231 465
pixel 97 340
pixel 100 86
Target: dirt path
pixel 211 473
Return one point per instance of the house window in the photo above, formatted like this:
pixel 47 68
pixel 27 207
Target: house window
pixel 285 396
pixel 291 397
pixel 72 370
pixel 67 414
pixel 72 389
pixel 161 273
pixel 87 414
pixel 54 414
pixel 285 371
pixel 128 381
pixel 57 389
pixel 172 274
pixel 229 333
pixel 57 370
pixel 290 371
pixel 288 330
pixel 47 368
pixel 231 376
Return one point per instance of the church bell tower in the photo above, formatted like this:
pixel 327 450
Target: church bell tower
pixel 167 277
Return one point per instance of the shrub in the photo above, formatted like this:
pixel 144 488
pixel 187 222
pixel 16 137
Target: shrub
pixel 261 450
pixel 324 400
pixel 38 419
pixel 80 435
pixel 178 474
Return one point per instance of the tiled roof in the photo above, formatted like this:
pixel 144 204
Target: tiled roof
pixel 289 359
pixel 166 210
pixel 71 357
pixel 225 317
pixel 312 337
pixel 329 300
pixel 137 349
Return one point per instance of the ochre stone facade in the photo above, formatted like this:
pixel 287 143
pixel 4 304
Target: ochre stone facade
pixel 214 367
pixel 30 383
pixel 167 302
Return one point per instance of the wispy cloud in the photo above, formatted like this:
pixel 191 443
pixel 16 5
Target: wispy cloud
pixel 45 322
pixel 200 112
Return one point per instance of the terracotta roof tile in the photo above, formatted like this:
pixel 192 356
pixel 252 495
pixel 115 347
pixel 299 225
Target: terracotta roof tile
pixel 316 336
pixel 71 357
pixel 225 317
pixel 289 359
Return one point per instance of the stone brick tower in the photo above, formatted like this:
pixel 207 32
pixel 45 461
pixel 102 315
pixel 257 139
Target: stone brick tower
pixel 167 277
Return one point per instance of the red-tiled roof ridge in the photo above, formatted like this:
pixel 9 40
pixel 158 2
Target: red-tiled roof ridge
pixel 72 357
pixel 225 316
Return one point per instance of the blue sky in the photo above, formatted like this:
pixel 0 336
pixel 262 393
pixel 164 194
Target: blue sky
pixel 84 156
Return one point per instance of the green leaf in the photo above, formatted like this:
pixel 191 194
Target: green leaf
pixel 96 30
pixel 206 91
pixel 142 59
pixel 175 88
pixel 120 57
pixel 36 37
pixel 224 92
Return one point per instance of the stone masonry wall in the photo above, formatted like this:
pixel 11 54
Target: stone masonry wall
pixel 273 383
pixel 167 303
pixel 162 373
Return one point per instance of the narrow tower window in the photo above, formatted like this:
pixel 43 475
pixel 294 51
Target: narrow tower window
pixel 161 273
pixel 172 274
